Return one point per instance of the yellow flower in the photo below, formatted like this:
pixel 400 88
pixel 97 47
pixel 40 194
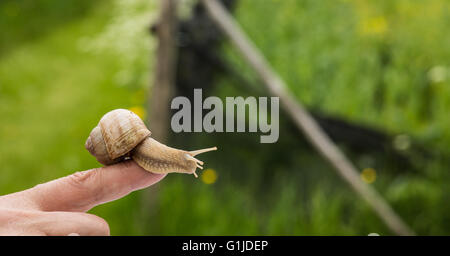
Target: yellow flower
pixel 140 111
pixel 369 175
pixel 209 176
pixel 374 26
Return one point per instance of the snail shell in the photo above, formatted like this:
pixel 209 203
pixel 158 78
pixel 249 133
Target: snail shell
pixel 117 133
pixel 121 134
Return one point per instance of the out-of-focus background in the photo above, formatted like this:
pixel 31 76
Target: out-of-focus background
pixel 375 74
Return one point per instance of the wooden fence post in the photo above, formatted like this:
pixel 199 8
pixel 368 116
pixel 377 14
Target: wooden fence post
pixel 162 88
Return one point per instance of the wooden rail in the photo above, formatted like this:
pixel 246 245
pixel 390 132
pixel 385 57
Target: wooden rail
pixel 304 121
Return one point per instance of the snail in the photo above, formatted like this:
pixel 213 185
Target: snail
pixel 122 135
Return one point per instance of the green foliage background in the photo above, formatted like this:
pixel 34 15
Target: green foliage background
pixel 385 64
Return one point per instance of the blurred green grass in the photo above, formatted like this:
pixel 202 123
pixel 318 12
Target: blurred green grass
pixel 383 63
pixel 59 74
pixel 52 92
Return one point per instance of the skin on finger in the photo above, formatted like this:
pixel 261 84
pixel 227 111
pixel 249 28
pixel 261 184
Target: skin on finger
pixel 15 222
pixel 18 200
pixel 67 223
pixel 19 232
pixel 83 190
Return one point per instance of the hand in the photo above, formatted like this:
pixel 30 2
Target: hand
pixel 58 207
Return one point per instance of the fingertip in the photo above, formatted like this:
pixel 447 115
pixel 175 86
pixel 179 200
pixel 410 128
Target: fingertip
pixel 83 190
pixel 130 174
pixel 141 177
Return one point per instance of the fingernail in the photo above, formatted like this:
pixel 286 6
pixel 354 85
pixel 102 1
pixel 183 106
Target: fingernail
pixel 73 234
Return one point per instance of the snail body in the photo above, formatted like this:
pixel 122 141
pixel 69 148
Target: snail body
pixel 121 134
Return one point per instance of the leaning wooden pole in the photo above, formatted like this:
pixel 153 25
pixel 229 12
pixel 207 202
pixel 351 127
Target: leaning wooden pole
pixel 304 121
